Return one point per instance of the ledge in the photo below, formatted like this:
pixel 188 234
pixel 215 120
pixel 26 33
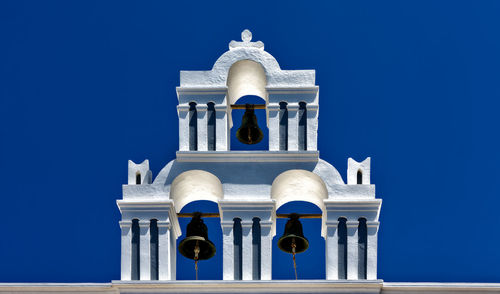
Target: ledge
pixel 247 156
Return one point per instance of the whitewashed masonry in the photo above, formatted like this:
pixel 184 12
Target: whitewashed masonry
pixel 207 169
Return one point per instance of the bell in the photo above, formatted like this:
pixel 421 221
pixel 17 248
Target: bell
pixel 293 240
pixel 249 131
pixel 196 245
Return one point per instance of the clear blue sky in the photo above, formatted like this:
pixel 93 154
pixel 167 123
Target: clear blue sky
pixel 87 85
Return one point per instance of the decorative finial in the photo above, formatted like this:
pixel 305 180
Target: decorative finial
pixel 246 36
pixel 246 42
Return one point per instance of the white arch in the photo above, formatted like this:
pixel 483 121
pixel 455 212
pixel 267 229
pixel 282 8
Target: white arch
pixel 299 185
pixel 246 77
pixel 194 185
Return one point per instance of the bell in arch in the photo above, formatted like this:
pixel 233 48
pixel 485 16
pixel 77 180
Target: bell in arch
pixel 249 131
pixel 293 240
pixel 196 245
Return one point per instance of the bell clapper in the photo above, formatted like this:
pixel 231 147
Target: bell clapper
pixel 196 252
pixel 293 255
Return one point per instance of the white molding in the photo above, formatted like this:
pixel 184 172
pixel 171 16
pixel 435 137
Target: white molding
pixel 247 156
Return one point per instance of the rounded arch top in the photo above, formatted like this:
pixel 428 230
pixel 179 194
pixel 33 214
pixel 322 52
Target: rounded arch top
pixel 246 77
pixel 229 58
pixel 299 185
pixel 194 185
pixel 217 77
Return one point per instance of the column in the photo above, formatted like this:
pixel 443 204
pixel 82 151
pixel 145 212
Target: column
pixel 221 128
pixel 266 242
pixel 201 110
pixel 371 263
pixel 183 111
pixel 246 227
pixel 312 127
pixel 352 250
pixel 228 250
pixel 332 250
pixel 126 260
pixel 293 127
pixel 166 251
pixel 273 121
pixel 145 257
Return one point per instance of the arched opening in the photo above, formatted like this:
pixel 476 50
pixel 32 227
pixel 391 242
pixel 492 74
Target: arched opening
pixel 246 83
pixel 238 249
pixel 310 263
pixel 342 246
pixel 137 178
pixel 302 138
pixel 211 126
pixel 283 128
pixel 256 249
pixel 359 177
pixel 362 248
pixel 193 127
pixel 210 269
pixel 154 248
pixel 194 185
pixel 237 117
pixel 299 185
pixel 135 250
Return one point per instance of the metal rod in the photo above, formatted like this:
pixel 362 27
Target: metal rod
pixel 243 106
pixel 210 214
pixel 280 215
pixel 301 215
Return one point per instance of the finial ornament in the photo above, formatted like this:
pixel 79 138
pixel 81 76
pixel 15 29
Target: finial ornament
pixel 246 36
pixel 246 42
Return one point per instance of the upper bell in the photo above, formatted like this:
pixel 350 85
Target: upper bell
pixel 196 244
pixel 249 131
pixel 293 240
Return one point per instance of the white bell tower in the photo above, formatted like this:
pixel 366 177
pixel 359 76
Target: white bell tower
pixel 248 186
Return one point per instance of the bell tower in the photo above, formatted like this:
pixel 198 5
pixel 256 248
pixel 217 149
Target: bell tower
pixel 248 186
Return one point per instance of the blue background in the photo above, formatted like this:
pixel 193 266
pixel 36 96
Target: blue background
pixel 87 85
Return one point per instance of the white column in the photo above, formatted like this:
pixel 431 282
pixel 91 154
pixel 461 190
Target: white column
pixel 352 250
pixel 273 126
pixel 201 110
pixel 266 258
pixel 332 250
pixel 246 229
pixel 227 250
pixel 312 127
pixel 221 128
pixel 126 261
pixel 145 257
pixel 166 246
pixel 371 263
pixel 183 111
pixel 293 127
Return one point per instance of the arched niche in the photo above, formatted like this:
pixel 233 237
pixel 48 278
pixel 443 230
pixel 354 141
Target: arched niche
pixel 208 269
pixel 195 185
pixel 300 185
pixel 245 78
pixel 310 263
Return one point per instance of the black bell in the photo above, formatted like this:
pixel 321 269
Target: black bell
pixel 249 132
pixel 293 240
pixel 196 245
